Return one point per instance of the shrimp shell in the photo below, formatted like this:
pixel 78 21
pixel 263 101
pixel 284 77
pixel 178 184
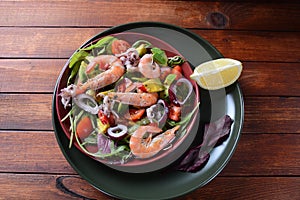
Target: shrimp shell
pixel 146 148
pixel 149 68
pixel 112 74
pixel 135 99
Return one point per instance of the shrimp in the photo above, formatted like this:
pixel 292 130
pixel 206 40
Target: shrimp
pixel 135 99
pixel 113 67
pixel 146 148
pixel 149 68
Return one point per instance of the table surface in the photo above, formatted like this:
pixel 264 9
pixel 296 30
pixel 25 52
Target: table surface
pixel 37 38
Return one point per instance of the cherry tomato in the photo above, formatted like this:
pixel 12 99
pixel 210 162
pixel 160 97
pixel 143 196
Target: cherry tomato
pixel 84 127
pixel 141 89
pixel 91 148
pixel 178 71
pixel 119 46
pixel 105 119
pixel 135 114
pixel 174 112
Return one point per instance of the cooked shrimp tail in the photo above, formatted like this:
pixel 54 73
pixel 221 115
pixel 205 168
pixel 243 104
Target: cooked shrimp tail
pixel 135 99
pixel 147 147
pixel 148 67
pixel 114 70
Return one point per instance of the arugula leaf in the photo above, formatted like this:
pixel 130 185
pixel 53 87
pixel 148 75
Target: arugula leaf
pixel 103 42
pixel 73 73
pixel 159 56
pixel 75 62
pixel 145 44
pixel 77 56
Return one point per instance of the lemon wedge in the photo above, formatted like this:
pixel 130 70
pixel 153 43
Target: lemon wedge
pixel 217 74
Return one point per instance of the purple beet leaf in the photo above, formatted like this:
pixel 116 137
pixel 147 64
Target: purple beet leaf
pixel 214 133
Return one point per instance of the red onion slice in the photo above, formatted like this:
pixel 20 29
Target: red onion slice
pixel 117 132
pixel 164 117
pixel 153 113
pixel 79 101
pixel 190 88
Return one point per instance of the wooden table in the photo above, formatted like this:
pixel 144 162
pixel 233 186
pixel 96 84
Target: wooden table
pixel 37 38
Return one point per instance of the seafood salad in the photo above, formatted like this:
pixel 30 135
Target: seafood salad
pixel 126 101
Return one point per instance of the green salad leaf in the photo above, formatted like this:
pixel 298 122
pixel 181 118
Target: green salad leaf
pixel 76 57
pixel 101 43
pixel 144 43
pixel 159 56
pixel 81 54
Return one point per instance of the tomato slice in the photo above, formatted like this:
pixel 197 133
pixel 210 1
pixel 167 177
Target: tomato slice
pixel 135 114
pixel 91 148
pixel 174 112
pixel 84 127
pixel 119 46
pixel 178 71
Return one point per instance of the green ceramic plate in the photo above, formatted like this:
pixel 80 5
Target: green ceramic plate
pixel 167 183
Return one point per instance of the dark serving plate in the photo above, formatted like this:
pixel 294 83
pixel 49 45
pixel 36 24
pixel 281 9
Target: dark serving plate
pixel 167 183
pixel 165 157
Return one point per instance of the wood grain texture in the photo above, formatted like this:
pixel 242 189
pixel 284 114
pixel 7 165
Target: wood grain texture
pixel 255 45
pixel 272 115
pixel 37 38
pixel 276 188
pixel 25 111
pixel 266 114
pixel 62 42
pixel 43 42
pixel 270 79
pixel 40 75
pixel 265 155
pixel 29 75
pixel 35 186
pixel 39 186
pixel 189 14
pixel 31 151
pixel 256 155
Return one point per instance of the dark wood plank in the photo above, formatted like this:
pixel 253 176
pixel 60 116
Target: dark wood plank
pixel 61 43
pixel 29 75
pixel 26 111
pixel 43 42
pixel 38 186
pixel 255 45
pixel 256 155
pixel 270 79
pixel 189 14
pixel 272 115
pixel 40 75
pixel 249 188
pixel 265 154
pixel 41 186
pixel 31 152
